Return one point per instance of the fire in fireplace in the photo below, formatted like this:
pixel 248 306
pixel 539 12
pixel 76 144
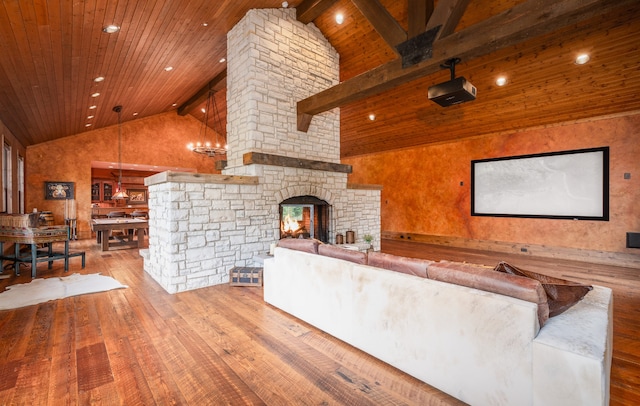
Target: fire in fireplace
pixel 304 217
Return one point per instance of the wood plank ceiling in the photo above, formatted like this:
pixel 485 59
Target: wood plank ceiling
pixel 51 52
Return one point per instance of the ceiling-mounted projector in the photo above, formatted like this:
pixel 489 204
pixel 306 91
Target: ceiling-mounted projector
pixel 455 91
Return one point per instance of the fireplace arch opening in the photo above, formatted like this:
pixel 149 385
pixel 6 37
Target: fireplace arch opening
pixel 305 217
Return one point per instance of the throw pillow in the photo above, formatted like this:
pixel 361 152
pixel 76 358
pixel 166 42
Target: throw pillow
pixel 483 278
pixel 411 266
pixel 335 251
pixel 561 293
pixel 300 244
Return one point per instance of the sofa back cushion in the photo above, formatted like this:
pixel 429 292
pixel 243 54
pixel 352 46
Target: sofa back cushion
pixel 561 293
pixel 341 253
pixel 300 244
pixel 477 277
pixel 411 266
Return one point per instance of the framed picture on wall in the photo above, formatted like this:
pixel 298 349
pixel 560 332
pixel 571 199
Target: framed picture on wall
pixel 137 196
pixel 58 190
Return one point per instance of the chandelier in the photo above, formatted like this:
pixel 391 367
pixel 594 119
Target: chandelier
pixel 204 146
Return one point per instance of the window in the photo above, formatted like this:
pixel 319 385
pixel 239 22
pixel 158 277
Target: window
pixel 21 184
pixel 6 179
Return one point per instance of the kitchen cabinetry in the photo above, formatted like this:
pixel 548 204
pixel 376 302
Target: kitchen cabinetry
pixel 101 190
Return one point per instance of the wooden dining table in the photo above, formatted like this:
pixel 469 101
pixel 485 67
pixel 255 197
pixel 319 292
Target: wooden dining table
pixel 132 227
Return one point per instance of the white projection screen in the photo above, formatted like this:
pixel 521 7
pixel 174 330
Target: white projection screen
pixel 560 185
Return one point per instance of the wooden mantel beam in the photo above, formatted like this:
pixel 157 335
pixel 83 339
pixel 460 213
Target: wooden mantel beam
pixel 518 24
pixel 215 84
pixel 252 158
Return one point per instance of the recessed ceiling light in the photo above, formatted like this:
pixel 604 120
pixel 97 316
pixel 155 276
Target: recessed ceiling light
pixel 98 79
pixel 501 81
pixel 135 114
pixel 205 24
pixel 110 29
pixel 90 117
pixel 93 107
pixel 339 18
pixel 88 125
pixel 582 59
pixel 203 110
pixel 168 68
pixel 223 60
pixel 372 116
pixel 96 94
pixel 174 104
pixel 285 4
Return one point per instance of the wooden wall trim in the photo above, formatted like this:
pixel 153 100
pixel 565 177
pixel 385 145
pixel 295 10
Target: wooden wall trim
pixel 364 186
pixel 627 260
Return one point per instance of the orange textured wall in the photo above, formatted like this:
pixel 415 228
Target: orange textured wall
pixel 158 140
pixel 423 194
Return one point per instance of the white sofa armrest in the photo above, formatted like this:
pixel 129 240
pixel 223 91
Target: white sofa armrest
pixel 572 353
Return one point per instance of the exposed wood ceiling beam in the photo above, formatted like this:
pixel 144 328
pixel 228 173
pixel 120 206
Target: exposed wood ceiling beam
pixel 419 12
pixel 309 10
pixel 217 83
pixel 518 24
pixel 442 22
pixel 382 21
pixel 447 14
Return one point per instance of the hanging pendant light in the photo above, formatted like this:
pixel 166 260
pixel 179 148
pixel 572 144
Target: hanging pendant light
pixel 120 194
pixel 204 146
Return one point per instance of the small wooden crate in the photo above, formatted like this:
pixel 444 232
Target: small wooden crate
pixel 245 276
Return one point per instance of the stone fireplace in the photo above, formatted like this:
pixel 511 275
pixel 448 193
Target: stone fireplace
pixel 202 225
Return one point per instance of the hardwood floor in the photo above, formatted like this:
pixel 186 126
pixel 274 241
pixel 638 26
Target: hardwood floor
pixel 217 345
pixel 224 345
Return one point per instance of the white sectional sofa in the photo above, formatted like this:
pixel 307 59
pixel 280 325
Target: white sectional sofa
pixel 481 347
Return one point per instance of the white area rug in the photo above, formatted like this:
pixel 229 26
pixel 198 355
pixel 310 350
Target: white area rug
pixel 43 290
